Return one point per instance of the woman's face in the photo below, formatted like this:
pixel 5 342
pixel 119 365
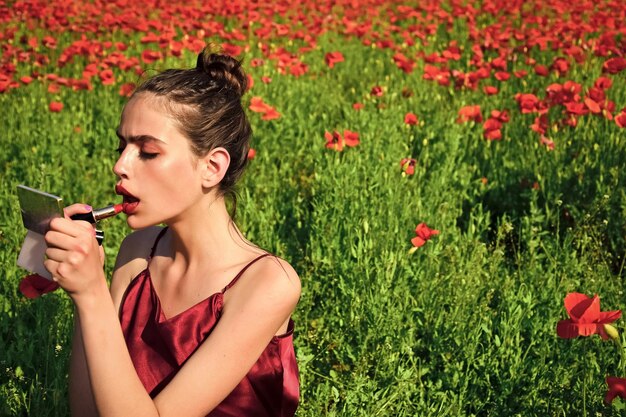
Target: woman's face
pixel 157 171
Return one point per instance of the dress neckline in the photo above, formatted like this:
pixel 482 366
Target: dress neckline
pixel 162 317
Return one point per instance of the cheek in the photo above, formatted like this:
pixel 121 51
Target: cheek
pixel 173 175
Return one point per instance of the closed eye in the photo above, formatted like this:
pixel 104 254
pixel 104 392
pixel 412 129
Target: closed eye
pixel 142 154
pixel 147 155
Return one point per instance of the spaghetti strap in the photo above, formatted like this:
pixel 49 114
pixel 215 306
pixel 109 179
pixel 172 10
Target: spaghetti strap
pixel 156 242
pixel 231 283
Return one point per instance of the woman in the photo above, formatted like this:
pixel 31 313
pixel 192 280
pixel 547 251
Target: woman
pixel 197 320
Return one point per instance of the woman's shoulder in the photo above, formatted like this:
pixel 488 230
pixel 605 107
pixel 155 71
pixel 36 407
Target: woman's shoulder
pixel 274 278
pixel 132 258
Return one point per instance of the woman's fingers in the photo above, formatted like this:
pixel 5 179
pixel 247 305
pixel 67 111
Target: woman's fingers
pixel 52 266
pixel 67 234
pixel 72 259
pixel 76 209
pixel 73 228
pixel 55 254
pixel 60 240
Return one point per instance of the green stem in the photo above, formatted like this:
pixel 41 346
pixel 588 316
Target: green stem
pixel 622 359
pixel 585 377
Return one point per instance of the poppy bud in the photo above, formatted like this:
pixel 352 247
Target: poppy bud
pixel 611 331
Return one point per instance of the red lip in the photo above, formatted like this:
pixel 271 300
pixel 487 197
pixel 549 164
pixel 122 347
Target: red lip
pixel 130 201
pixel 123 192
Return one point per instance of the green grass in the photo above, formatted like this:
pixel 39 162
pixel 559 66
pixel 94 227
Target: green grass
pixel 464 326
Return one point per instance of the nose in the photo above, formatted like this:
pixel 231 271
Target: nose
pixel 122 166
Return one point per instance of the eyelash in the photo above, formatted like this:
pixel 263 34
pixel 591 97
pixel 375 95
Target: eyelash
pixel 142 154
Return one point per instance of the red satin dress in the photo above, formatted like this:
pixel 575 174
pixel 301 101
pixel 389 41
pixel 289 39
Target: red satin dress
pixel 159 347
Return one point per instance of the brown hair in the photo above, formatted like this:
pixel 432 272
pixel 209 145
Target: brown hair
pixel 206 103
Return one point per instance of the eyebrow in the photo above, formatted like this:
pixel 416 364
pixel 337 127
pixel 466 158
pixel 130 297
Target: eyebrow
pixel 139 138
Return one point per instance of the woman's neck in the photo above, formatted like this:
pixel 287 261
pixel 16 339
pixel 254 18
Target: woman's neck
pixel 205 235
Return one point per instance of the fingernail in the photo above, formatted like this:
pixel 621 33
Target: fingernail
pixel 88 207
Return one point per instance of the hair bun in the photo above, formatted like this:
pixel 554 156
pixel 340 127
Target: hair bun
pixel 223 69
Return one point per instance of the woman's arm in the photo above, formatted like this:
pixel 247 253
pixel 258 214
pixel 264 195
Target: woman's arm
pixel 81 397
pixel 255 310
pixel 131 259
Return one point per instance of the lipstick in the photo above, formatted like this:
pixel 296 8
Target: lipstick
pixel 99 214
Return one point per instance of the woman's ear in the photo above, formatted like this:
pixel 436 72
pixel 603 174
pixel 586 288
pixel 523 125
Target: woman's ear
pixel 214 166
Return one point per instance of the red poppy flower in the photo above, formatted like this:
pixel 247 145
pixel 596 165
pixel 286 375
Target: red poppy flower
pixel 89 71
pixel 467 113
pixel 256 62
pixel 576 108
pixel 617 387
pixel 560 65
pixel 501 116
pixel 83 84
pixel 357 106
pixel 258 106
pixel 32 286
pixel 491 129
pixel 270 114
pixel 592 105
pixel 424 233
pixel 603 83
pixel 586 318
pixel 377 91
pixel 432 72
pixel 337 142
pixel 230 49
pixel 410 119
pixel 334 141
pixel 107 77
pixel 49 42
pixel 547 142
pixel 499 63
pixel 575 52
pixel 490 90
pixel 541 70
pixel 620 119
pixel 298 68
pixel 332 58
pixel 408 166
pixel 251 153
pixel 528 103
pixel 126 90
pixel 55 107
pixel 597 94
pixel 614 65
pixel 404 63
pixel 502 76
pixel 351 138
pixel 150 57
pixel 541 124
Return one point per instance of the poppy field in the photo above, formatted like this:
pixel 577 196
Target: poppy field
pixel 448 179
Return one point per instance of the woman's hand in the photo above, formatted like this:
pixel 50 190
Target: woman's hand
pixel 74 257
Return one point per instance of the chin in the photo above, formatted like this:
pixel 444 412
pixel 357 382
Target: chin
pixel 137 224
